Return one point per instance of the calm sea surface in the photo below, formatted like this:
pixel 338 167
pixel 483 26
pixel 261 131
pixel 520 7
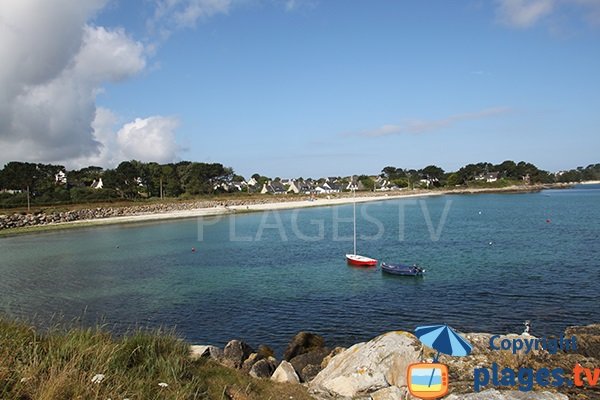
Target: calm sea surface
pixel 492 261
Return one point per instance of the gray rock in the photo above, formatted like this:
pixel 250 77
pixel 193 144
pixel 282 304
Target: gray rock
pixel 235 353
pixel 285 373
pixel 309 372
pixel 367 367
pixel 493 394
pixel 313 357
pixel 263 368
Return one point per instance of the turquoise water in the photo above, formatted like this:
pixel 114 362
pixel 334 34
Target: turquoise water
pixel 492 262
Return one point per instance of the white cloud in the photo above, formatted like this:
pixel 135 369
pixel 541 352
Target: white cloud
pixel 149 139
pixel 177 14
pixel 144 139
pixel 416 127
pixel 53 65
pixel 293 5
pixel 523 13
pixel 527 13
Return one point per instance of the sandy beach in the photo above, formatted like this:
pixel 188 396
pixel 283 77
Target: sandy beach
pixel 224 210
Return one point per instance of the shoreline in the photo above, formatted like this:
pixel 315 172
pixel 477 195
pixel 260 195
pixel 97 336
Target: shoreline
pixel 262 204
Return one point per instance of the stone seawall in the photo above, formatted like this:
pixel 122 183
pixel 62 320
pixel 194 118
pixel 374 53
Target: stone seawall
pixel 19 220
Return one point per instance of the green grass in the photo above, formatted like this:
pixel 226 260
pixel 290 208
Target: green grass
pixel 60 364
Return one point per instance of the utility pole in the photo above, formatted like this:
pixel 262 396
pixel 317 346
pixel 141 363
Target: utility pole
pixel 28 203
pixel 161 189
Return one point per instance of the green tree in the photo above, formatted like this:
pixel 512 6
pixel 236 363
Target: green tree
pixel 127 175
pixel 18 175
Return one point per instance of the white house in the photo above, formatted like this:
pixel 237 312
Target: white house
pixel 97 184
pixel 491 177
pixel 60 178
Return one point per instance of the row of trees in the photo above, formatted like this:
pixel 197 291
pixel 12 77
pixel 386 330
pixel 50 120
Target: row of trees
pixel 46 183
pixel 507 171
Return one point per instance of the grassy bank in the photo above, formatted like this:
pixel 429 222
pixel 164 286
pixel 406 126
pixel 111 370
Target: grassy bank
pixel 92 364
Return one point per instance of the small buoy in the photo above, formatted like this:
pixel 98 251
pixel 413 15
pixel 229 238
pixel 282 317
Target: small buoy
pixel 491 243
pixel 548 221
pixel 479 212
pixel 193 249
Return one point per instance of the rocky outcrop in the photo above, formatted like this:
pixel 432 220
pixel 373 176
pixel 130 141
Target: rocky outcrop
pixel 368 367
pixel 377 370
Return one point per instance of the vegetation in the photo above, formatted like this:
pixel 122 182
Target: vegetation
pixel 46 184
pixel 91 364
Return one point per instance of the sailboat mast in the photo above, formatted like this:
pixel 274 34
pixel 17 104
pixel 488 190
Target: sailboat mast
pixel 354 217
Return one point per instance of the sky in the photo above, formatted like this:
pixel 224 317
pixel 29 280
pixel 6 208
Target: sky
pixel 294 88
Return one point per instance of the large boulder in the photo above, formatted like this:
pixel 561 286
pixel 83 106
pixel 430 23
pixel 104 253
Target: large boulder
pixel 235 353
pixel 302 361
pixel 493 394
pixel 368 367
pixel 285 373
pixel 302 343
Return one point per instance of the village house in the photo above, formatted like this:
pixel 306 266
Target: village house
pixel 300 186
pixel 273 187
pixel 97 184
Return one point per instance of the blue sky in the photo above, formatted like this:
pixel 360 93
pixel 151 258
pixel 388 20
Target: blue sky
pixel 325 88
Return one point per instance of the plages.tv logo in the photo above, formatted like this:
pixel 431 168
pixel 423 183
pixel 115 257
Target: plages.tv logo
pixel 430 380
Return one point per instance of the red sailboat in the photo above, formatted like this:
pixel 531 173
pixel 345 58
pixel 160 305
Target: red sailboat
pixel 355 259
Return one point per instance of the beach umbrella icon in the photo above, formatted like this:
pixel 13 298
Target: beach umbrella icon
pixel 443 339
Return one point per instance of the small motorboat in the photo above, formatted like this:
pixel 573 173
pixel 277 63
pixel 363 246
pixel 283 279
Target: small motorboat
pixel 401 269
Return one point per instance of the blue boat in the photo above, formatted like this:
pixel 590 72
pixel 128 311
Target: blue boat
pixel 401 269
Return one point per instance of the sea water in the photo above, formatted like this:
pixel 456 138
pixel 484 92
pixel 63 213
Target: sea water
pixel 492 261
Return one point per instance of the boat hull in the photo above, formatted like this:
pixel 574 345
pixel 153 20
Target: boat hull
pixel 402 270
pixel 360 261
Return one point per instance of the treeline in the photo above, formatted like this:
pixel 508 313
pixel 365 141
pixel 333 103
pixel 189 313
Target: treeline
pixel 54 184
pixel 484 173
